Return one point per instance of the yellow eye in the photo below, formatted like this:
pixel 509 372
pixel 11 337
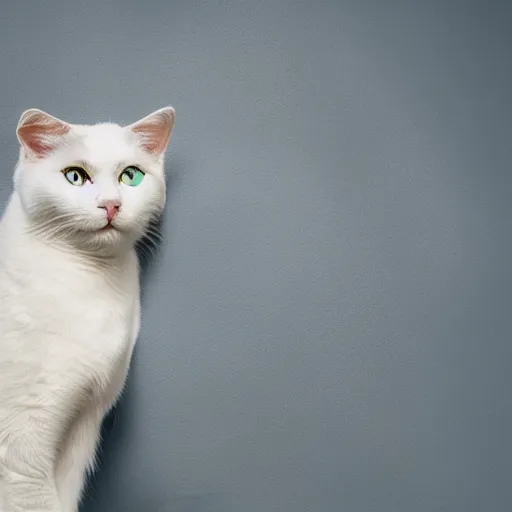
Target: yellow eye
pixel 76 176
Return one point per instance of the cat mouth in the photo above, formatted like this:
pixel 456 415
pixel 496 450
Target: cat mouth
pixel 107 227
pixel 111 228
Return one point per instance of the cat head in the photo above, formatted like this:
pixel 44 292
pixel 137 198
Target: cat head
pixel 95 187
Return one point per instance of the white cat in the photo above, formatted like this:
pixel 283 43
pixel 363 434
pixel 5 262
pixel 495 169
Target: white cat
pixel 69 295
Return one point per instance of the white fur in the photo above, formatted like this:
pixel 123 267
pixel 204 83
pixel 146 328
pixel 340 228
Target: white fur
pixel 69 297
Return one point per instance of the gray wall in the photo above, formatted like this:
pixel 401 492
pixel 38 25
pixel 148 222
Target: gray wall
pixel 327 327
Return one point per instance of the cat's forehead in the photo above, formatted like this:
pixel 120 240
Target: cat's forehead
pixel 105 143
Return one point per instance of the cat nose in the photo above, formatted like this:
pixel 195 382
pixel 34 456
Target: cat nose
pixel 111 207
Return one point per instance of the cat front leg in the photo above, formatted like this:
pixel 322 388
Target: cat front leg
pixel 77 455
pixel 27 482
pixel 78 451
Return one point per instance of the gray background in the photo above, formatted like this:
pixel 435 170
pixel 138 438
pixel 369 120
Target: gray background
pixel 327 326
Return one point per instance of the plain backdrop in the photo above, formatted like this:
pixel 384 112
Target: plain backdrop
pixel 327 326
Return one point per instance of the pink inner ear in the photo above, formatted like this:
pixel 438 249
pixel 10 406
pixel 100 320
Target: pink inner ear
pixel 40 138
pixel 155 130
pixel 41 133
pixel 154 136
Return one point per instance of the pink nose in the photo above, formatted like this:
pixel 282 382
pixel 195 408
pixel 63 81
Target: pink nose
pixel 111 207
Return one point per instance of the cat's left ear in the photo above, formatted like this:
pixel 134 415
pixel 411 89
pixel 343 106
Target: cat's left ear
pixel 154 131
pixel 39 133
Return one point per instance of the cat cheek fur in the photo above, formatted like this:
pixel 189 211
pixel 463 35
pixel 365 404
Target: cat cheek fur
pixel 70 310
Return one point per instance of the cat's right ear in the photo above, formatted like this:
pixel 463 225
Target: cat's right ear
pixel 39 133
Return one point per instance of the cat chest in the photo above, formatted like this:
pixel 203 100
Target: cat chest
pixel 95 347
pixel 85 337
pixel 74 332
pixel 100 329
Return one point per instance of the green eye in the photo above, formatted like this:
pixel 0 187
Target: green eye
pixel 132 176
pixel 76 176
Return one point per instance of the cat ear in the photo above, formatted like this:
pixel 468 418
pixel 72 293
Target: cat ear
pixel 39 132
pixel 154 131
